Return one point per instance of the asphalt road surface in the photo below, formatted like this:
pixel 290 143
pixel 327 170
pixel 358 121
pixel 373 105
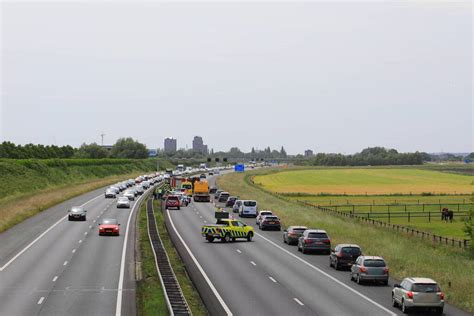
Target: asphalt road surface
pixel 52 266
pixel 269 277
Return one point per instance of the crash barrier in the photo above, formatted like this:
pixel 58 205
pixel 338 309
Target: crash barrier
pixel 210 299
pixel 436 239
pixel 174 297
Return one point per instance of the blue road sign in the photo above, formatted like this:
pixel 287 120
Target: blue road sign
pixel 239 168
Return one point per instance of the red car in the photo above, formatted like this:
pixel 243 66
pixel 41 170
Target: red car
pixel 109 227
pixel 172 201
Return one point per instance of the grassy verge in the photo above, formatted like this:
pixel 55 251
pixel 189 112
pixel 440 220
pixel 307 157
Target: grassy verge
pixel 189 291
pixel 150 297
pixel 15 211
pixel 406 256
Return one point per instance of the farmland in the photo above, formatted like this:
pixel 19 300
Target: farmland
pixel 366 181
pixel 388 195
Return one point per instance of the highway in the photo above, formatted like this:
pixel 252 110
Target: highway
pixel 51 266
pixel 268 277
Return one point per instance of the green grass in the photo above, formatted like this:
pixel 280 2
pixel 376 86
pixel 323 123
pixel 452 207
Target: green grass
pixel 406 255
pixel 189 291
pixel 150 297
pixel 398 204
pixel 372 181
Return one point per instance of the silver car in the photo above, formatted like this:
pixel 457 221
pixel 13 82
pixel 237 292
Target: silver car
pixel 129 194
pixel 420 293
pixel 77 213
pixel 123 202
pixel 370 268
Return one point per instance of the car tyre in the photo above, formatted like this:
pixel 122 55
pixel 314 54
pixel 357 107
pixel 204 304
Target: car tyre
pixel 336 265
pixel 299 249
pixel 404 308
pixel 227 238
pixel 358 280
pixel 439 310
pixel 304 251
pixel 394 302
pixel 249 236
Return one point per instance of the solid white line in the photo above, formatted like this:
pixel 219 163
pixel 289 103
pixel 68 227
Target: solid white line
pixel 253 263
pixel 41 236
pixel 238 250
pixel 118 306
pixel 41 300
pixel 272 279
pixel 198 265
pixel 298 301
pixel 328 275
pixel 55 278
pixel 65 263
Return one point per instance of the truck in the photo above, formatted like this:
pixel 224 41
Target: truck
pixel 201 191
pixel 227 229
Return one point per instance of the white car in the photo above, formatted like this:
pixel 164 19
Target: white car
pixel 248 208
pixel 123 202
pixel 261 214
pixel 130 195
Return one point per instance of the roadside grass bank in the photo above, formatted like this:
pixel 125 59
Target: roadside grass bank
pixel 407 256
pixel 150 297
pixel 28 187
pixel 189 291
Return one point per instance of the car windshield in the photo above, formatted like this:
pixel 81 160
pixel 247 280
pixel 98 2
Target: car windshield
pixel 250 203
pixel 317 235
pixel 351 251
pixel 425 287
pixel 187 186
pixel 174 198
pixel 76 209
pixel 266 213
pixel 270 218
pixel 123 199
pixel 374 263
pixel 298 230
pixel 109 222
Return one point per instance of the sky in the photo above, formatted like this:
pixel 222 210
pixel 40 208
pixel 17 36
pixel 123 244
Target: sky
pixel 328 76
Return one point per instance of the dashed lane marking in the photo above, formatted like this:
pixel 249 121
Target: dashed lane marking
pixel 253 263
pixel 55 278
pixel 41 300
pixel 298 301
pixel 65 263
pixel 238 250
pixel 272 279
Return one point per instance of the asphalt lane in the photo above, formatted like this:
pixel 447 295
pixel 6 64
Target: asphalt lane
pixel 70 270
pixel 266 276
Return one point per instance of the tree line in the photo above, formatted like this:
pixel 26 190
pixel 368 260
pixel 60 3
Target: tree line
pixel 123 148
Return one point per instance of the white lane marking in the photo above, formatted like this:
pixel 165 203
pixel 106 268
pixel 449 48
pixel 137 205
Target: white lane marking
pixel 93 221
pixel 41 300
pixel 200 216
pixel 41 236
pixel 98 216
pixel 74 250
pixel 90 226
pixel 253 263
pixel 298 301
pixel 238 250
pixel 80 241
pixel 85 233
pixel 328 275
pixel 205 221
pixel 65 263
pixel 55 278
pixel 118 306
pixel 198 265
pixel 272 279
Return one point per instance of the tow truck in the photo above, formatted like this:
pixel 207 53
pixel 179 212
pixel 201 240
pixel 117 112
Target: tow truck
pixel 227 229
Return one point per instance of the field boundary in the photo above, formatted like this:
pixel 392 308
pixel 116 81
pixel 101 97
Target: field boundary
pixel 436 239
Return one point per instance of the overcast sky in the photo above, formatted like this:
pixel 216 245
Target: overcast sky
pixel 330 76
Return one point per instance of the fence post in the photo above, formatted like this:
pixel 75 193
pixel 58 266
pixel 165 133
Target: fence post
pixel 408 217
pixel 429 217
pixel 423 207
pixel 389 217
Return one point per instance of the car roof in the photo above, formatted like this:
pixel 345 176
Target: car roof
pixel 294 227
pixel 315 231
pixel 372 258
pixel 421 280
pixel 347 245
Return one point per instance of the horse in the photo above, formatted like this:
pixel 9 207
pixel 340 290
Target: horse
pixel 447 215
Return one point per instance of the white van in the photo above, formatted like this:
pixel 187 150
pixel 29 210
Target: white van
pixel 248 208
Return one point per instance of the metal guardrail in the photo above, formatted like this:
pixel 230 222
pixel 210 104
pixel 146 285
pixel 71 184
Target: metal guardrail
pixel 175 300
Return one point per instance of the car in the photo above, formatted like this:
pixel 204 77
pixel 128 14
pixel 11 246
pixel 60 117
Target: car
pixel 292 234
pixel 231 201
pixel 369 268
pixel 223 197
pixel 139 189
pixel 202 176
pixel 218 192
pixel 184 200
pixel 123 202
pixel 110 193
pixel 146 184
pixel 261 214
pixel 115 189
pixel 109 227
pixel 121 186
pixel 227 230
pixel 314 239
pixel 211 173
pixel 212 190
pixel 172 201
pixel 270 222
pixel 236 206
pixel 77 213
pixel 248 208
pixel 130 195
pixel 418 293
pixel 217 171
pixel 344 256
